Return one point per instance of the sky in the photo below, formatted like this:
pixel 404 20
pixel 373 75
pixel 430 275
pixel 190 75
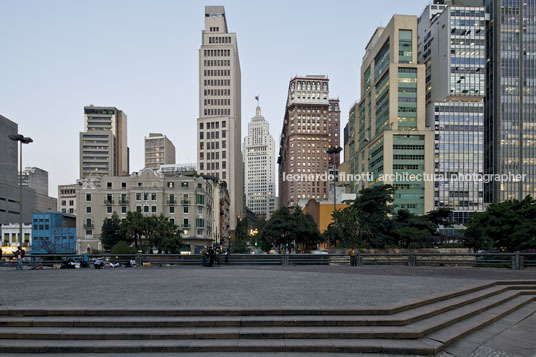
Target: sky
pixel 57 56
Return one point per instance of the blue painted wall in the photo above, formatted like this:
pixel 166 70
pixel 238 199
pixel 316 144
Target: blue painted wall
pixel 53 233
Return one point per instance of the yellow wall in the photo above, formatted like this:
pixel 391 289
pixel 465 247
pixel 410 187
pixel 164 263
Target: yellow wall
pixel 325 211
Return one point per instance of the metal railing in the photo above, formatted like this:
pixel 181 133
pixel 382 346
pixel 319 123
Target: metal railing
pixel 516 260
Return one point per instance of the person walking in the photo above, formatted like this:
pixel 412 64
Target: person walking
pixel 19 253
pixel 218 255
pixel 227 255
pixel 211 256
pixel 353 260
pixel 204 255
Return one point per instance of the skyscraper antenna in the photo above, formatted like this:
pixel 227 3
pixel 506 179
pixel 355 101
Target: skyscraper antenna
pixel 257 99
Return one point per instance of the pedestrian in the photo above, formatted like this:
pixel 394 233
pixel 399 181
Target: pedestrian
pixel 227 255
pixel 211 256
pixel 204 253
pixel 218 254
pixel 353 260
pixel 19 253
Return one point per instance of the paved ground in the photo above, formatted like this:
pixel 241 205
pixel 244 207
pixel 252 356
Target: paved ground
pixel 512 336
pixel 237 286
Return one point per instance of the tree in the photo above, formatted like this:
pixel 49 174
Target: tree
pixel 240 247
pixel 111 232
pixel 413 231
pixel 123 247
pixel 373 207
pixel 242 229
pixel 306 231
pixel 285 228
pixel 133 228
pixel 509 225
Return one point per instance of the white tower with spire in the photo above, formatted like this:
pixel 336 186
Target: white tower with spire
pixel 259 166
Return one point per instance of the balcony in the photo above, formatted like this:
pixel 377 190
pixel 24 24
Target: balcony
pixel 88 226
pixel 171 202
pixel 123 202
pixel 185 202
pixel 108 202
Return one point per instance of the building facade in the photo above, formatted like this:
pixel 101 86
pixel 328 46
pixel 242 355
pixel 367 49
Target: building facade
pixel 103 143
pixel 53 233
pixel 10 237
pixel 259 167
pixel 310 127
pixel 35 191
pixel 510 112
pixel 67 198
pixel 393 142
pixel 219 123
pixel 159 150
pixel 186 200
pixel 452 47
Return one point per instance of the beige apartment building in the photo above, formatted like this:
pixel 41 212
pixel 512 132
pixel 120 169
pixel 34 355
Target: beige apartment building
pixel 67 198
pixel 159 150
pixel 187 200
pixel 103 143
pixel 391 136
pixel 219 123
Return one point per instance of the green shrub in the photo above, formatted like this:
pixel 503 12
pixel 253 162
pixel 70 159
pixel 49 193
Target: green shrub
pixel 122 247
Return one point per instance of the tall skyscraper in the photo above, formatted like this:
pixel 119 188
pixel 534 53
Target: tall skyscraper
pixel 159 150
pixel 452 47
pixel 392 139
pixel 310 127
pixel 510 113
pixel 103 143
pixel 219 123
pixel 259 167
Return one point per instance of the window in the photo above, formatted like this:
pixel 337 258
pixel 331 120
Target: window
pixel 108 185
pixel 201 126
pixel 171 209
pixel 138 208
pixel 88 209
pixel 185 209
pixel 405 53
pixel 88 197
pixel 184 184
pixel 123 209
pixel 138 196
pixel 200 199
pixel 146 209
pixel 153 209
pixel 63 202
pixel 71 210
pixel 153 196
pixel 140 184
pixel 199 185
pixel 71 203
pixel 186 223
pixel 171 184
pixel 123 185
pixel 109 209
pixel 145 196
pixel 199 210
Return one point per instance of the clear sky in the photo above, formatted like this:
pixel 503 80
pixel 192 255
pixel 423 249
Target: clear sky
pixel 56 56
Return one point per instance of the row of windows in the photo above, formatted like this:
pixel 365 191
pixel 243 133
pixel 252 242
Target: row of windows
pixel 217 82
pixel 219 39
pixel 217 92
pixel 217 53
pixel 214 146
pixel 217 111
pixel 217 72
pixel 408 157
pixel 218 101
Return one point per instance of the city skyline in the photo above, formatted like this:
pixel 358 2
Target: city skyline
pixel 55 73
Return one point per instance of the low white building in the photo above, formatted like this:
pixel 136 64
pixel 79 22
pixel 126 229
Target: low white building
pixel 10 237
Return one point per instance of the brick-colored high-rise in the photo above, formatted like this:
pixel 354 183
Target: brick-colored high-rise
pixel 311 125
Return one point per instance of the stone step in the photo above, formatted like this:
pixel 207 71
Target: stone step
pixel 411 331
pixel 423 346
pixel 270 311
pixel 399 319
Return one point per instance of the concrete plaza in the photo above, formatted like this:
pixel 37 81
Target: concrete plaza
pixel 266 287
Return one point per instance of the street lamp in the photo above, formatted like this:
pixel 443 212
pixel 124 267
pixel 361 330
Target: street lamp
pixel 23 140
pixel 334 150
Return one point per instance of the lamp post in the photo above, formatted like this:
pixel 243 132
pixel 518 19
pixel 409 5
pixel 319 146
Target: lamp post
pixel 22 140
pixel 334 150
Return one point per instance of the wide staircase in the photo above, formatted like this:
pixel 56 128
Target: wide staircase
pixel 421 326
